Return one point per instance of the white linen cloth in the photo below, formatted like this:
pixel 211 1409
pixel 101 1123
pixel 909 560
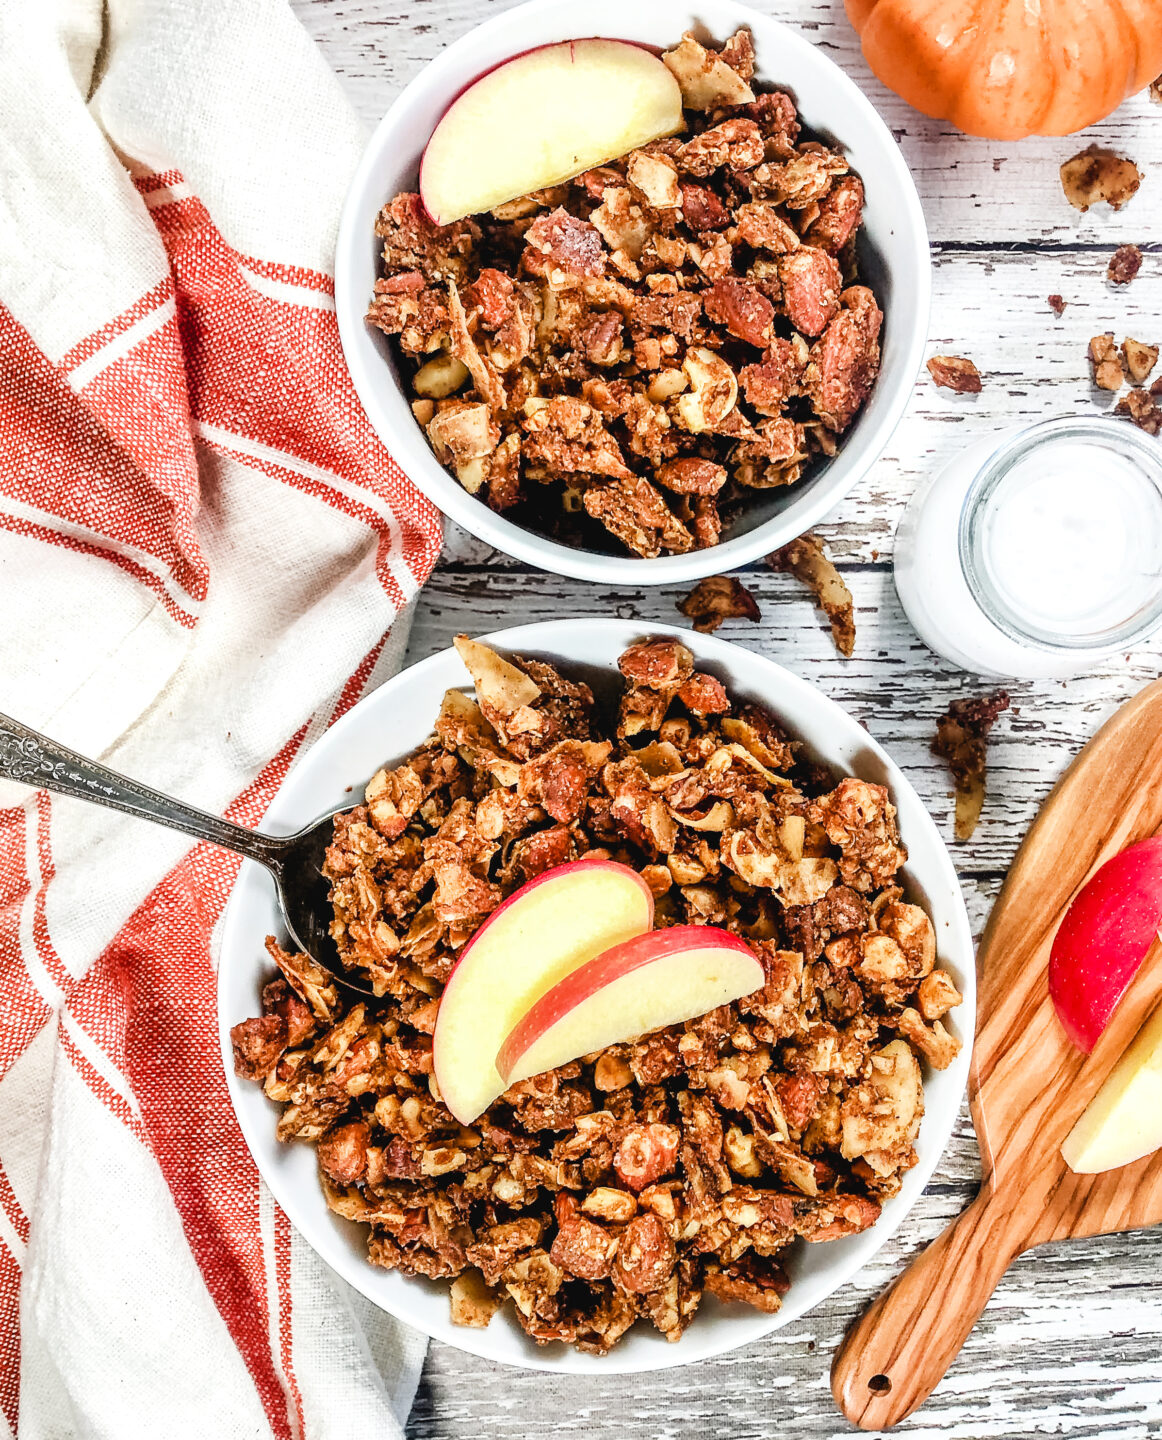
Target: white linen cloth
pixel 205 557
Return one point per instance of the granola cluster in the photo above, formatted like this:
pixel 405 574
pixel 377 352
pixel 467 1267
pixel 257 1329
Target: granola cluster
pixel 629 355
pixel 962 738
pixel 685 1162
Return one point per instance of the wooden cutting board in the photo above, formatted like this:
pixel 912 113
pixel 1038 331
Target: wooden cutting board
pixel 1027 1085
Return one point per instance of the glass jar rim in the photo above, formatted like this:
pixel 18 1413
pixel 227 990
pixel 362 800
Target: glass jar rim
pixel 1118 435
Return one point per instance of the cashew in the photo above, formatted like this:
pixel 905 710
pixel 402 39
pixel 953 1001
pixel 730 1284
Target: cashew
pixel 714 390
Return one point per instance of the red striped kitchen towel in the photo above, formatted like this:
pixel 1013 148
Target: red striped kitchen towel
pixel 205 557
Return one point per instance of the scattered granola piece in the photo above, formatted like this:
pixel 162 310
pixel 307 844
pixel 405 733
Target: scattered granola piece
pixel 1156 90
pixel 806 559
pixel 1057 305
pixel 1126 262
pixel 1097 175
pixel 1141 407
pixel 1107 365
pixel 718 598
pixel 961 737
pixel 954 372
pixel 1139 359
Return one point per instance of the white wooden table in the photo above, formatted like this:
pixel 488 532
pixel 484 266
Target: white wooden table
pixel 1071 1343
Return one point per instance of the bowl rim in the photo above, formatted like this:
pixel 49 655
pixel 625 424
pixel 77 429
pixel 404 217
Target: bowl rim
pixel 410 449
pixel 957 948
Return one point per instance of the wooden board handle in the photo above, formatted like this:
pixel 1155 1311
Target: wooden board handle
pixel 896 1353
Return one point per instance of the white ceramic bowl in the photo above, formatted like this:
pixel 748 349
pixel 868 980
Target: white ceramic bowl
pixel 387 726
pixel 894 256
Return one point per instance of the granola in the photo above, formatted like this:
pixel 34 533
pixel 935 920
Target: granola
pixel 1107 363
pixel 806 559
pixel 1138 358
pixel 1141 407
pixel 618 361
pixel 1124 264
pixel 961 739
pixel 1098 175
pixel 718 598
pixel 954 372
pixel 626 1185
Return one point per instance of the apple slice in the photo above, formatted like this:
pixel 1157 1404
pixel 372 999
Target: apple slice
pixel 1123 1121
pixel 542 118
pixel 548 928
pixel 644 984
pixel 1104 938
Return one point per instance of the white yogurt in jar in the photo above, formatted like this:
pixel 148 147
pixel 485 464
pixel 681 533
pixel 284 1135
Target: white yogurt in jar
pixel 1034 553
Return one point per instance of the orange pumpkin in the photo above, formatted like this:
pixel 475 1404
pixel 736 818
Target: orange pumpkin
pixel 1008 68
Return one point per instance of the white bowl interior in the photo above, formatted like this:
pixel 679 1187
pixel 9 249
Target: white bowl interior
pixel 385 727
pixel 894 255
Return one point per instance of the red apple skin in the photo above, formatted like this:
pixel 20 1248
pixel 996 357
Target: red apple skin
pixel 555 872
pixel 1104 938
pixel 614 964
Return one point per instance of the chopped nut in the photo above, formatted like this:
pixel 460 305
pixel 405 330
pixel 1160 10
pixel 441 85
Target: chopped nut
pixel 706 81
pixel 611 1072
pixel 616 1207
pixel 1140 407
pixel 473 1302
pixel 1107 366
pixel 440 377
pixel 1057 305
pixel 714 390
pixel 1126 262
pixel 1097 175
pixel 938 995
pixel 1139 359
pixel 718 598
pixel 953 372
pixel 656 176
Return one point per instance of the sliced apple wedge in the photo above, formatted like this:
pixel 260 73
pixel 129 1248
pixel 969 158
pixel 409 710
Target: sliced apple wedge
pixel 1104 938
pixel 542 118
pixel 1123 1121
pixel 644 984
pixel 543 932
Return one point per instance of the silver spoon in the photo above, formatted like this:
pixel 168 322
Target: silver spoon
pixel 295 861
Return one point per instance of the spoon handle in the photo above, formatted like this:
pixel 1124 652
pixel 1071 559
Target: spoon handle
pixel 34 759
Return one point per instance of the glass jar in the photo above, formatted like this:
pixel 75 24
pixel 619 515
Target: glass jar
pixel 1037 552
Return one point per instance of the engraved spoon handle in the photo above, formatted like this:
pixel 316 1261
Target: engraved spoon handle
pixel 34 759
